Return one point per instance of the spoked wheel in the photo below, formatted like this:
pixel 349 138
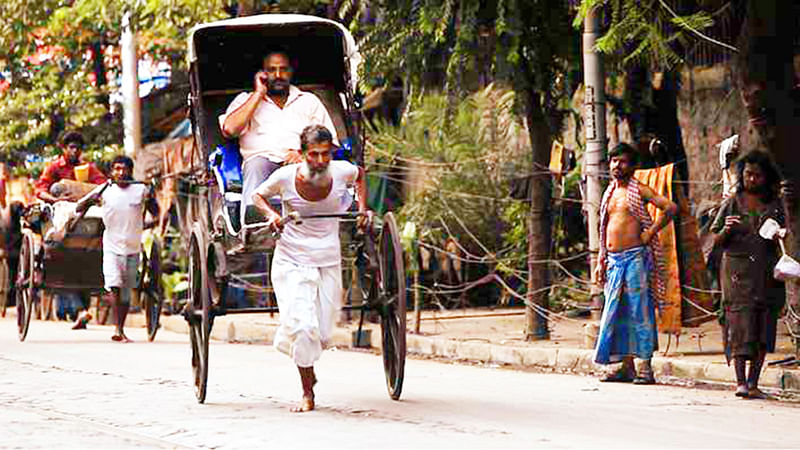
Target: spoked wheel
pixel 392 298
pixel 151 290
pixel 5 286
pixel 25 287
pixel 198 313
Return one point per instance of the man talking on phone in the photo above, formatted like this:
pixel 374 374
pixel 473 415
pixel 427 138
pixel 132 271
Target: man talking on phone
pixel 268 122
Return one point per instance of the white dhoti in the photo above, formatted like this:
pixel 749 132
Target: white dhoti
pixel 309 299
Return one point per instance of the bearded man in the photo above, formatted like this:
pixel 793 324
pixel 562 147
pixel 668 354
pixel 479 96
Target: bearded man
pixel 630 266
pixel 268 122
pixel 306 269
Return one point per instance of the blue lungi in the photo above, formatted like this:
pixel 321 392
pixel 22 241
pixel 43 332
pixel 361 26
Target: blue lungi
pixel 628 325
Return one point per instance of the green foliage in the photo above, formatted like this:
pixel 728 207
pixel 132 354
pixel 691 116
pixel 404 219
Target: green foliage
pixel 49 96
pixel 647 32
pixel 457 177
pixel 457 173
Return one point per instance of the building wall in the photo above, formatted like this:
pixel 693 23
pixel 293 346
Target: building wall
pixel 709 110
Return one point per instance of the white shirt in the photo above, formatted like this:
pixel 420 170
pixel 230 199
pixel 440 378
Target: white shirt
pixel 313 242
pixel 730 177
pixel 273 131
pixel 123 217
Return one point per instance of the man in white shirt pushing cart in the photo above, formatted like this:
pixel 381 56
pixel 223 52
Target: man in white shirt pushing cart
pixel 306 266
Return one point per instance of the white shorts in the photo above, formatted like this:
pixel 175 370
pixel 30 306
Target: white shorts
pixel 120 271
pixel 309 299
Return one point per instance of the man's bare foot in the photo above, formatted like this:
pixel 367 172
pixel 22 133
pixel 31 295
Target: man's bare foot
pixel 120 337
pixel 306 404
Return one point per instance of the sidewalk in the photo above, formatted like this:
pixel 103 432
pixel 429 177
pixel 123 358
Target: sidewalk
pixel 496 337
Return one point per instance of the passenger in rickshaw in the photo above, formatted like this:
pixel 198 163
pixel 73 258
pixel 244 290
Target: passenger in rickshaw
pixel 268 122
pixel 51 187
pixel 64 168
pixel 306 266
pixel 123 204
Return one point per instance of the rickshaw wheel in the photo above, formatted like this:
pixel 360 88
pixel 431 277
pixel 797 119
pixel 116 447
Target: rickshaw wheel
pixel 151 289
pixel 392 297
pixel 5 286
pixel 198 317
pixel 25 287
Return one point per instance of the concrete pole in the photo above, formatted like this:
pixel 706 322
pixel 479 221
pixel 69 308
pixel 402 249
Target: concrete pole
pixel 131 106
pixel 595 129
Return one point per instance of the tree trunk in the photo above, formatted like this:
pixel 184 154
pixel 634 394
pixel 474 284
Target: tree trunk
pixel 539 222
pixel 769 94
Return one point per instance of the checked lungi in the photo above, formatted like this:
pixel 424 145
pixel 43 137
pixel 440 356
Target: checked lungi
pixel 628 325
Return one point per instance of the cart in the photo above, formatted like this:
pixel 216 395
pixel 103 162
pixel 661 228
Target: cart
pixel 73 262
pixel 223 56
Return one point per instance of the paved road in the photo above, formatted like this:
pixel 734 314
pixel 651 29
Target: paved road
pixel 78 389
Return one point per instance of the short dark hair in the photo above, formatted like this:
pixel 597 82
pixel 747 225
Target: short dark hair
pixel 764 161
pixel 314 134
pixel 123 159
pixel 278 51
pixel 70 137
pixel 624 149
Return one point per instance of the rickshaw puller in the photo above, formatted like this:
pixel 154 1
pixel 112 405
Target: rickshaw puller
pixel 268 122
pixel 123 216
pixel 306 266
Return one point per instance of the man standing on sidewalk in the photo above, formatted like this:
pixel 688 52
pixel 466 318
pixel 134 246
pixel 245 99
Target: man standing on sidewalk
pixel 124 205
pixel 629 263
pixel 306 266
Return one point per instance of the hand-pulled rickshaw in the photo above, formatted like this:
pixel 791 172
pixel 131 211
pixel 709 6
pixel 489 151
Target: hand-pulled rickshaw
pixel 223 57
pixel 62 252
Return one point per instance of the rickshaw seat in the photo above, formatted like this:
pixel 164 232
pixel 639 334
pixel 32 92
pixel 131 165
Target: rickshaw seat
pixel 226 164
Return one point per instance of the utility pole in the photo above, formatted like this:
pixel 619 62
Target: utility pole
pixel 131 106
pixel 594 124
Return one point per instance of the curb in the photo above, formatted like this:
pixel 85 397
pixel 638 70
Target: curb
pixel 676 371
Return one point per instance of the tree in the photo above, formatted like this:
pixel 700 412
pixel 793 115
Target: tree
pixel 767 79
pixel 418 41
pixel 53 52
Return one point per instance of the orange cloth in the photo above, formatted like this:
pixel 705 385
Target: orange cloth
pixel 685 276
pixel 669 317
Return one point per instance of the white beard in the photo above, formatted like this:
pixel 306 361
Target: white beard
pixel 315 178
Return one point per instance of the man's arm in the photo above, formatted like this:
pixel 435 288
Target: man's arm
pixel 260 200
pixel 95 176
pixel 667 207
pixel 361 190
pixel 46 179
pixel 91 198
pixel 365 215
pixel 150 202
pixel 237 120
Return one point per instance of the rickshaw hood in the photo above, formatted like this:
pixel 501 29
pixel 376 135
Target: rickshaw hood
pixel 351 54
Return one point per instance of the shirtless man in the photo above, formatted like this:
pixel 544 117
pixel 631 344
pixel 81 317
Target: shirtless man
pixel 629 253
pixel 306 266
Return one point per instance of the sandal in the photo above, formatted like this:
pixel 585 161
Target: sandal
pixel 742 391
pixel 755 393
pixel 617 376
pixel 645 379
